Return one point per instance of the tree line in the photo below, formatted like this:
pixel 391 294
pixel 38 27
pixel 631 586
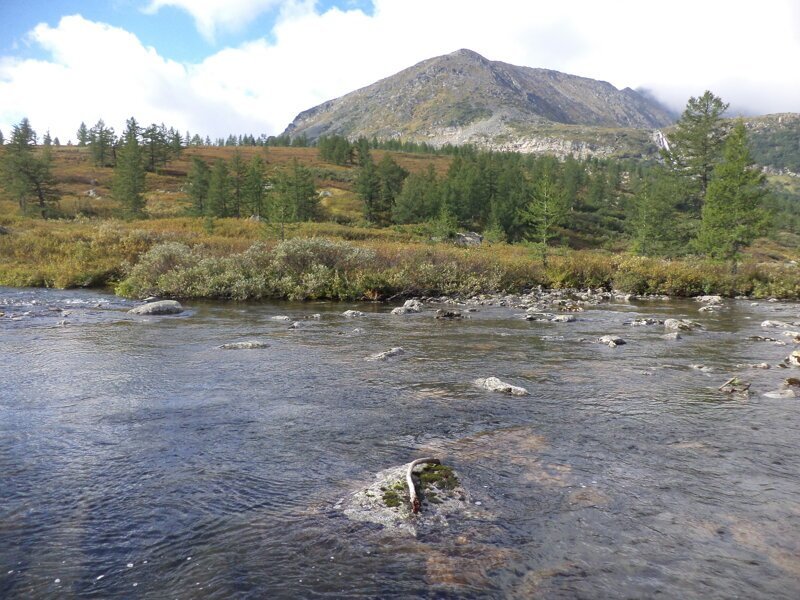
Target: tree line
pixel 704 195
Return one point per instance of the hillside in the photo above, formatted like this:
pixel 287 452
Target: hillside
pixel 464 98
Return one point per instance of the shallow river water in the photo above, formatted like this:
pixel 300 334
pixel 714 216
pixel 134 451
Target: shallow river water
pixel 139 460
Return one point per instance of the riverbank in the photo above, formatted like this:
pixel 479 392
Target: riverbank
pixel 240 259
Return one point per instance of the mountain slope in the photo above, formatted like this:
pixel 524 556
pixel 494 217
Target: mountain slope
pixel 463 97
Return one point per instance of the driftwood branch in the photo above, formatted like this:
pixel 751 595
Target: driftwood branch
pixel 412 491
pixel 731 380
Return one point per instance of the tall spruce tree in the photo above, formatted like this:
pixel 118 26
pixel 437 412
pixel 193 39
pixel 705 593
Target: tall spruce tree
pixel 696 145
pixel 732 215
pixel 129 173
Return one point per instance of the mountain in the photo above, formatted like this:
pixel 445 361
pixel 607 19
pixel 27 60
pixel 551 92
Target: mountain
pixel 464 98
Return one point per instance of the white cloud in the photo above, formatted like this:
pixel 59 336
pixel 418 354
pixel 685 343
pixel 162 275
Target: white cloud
pixel 210 16
pixel 743 51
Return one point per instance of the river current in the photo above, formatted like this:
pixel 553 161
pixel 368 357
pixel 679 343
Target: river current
pixel 140 460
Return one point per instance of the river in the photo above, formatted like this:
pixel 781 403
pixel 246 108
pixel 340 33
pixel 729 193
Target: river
pixel 140 460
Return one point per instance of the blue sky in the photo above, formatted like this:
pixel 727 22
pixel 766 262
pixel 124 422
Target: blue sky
pixel 216 67
pixel 171 30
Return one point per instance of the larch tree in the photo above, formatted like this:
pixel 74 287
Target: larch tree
pixel 547 206
pixel 732 215
pixel 695 147
pixel 129 173
pixel 197 181
pixel 26 170
pixel 254 188
pixel 219 190
pixel 82 134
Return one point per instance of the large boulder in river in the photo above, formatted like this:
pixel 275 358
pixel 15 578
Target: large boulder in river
pixel 386 500
pixel 162 307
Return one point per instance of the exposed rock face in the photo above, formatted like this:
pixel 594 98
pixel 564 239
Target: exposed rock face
pixel 162 307
pixel 464 98
pixel 493 384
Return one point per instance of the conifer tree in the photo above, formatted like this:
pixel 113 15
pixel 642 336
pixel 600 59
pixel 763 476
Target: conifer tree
pixel 197 181
pixel 26 172
pixel 420 198
pixel 696 144
pixel 732 216
pixel 547 206
pixel 82 134
pixel 101 141
pixel 653 223
pixel 254 187
pixel 2 139
pixel 295 187
pixel 219 190
pixel 237 173
pixel 368 185
pixel 129 173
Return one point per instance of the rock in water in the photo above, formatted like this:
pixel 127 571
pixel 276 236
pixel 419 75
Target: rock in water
pixel 391 353
pixel 681 325
pixel 612 341
pixel 709 299
pixel 448 314
pixel 162 307
pixel 769 323
pixel 493 384
pixel 563 319
pixel 244 346
pixel 410 306
pixel 385 501
pixel 352 314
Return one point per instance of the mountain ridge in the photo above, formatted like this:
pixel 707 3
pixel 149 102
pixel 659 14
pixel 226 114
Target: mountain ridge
pixel 463 97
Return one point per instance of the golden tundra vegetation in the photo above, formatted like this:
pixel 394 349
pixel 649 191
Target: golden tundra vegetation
pixel 174 254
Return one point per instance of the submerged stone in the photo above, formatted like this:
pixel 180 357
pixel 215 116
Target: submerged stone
pixel 251 345
pixel 391 353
